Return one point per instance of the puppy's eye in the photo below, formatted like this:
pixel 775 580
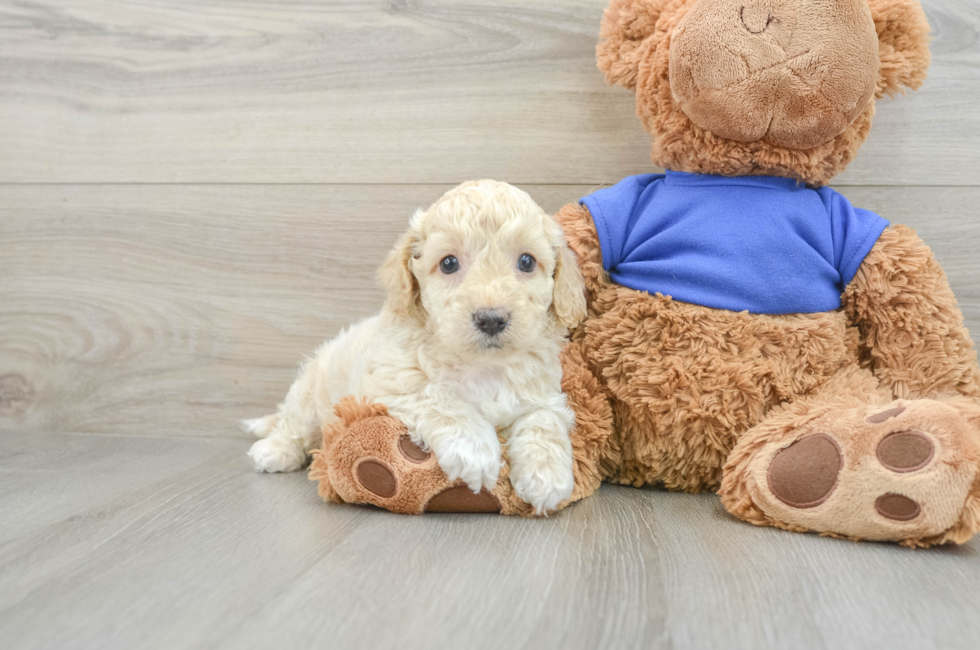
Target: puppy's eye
pixel 449 264
pixel 526 263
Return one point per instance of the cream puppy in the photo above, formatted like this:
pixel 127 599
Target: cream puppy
pixel 481 292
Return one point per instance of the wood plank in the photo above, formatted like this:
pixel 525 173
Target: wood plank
pixel 385 92
pixel 177 310
pixel 119 542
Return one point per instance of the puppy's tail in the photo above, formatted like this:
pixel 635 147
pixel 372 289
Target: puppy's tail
pixel 260 427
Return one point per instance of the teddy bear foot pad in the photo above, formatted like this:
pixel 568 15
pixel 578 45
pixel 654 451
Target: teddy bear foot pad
pixel 376 477
pixel 372 460
pixel 886 473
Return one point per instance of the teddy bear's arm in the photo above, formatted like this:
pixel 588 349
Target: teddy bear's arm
pixel 911 330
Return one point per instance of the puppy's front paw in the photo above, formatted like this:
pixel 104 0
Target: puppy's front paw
pixel 277 455
pixel 474 459
pixel 541 475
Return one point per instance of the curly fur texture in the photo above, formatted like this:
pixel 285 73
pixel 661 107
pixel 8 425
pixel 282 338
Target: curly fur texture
pixel 431 358
pixel 912 332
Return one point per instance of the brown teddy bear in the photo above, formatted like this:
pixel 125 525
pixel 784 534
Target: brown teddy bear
pixel 749 330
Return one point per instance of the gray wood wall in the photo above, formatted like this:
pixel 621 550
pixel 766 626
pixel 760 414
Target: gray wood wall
pixel 194 193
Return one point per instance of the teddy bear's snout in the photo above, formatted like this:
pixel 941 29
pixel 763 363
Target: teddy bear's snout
pixel 791 73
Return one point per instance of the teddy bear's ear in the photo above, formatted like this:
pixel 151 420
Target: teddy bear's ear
pixel 903 45
pixel 625 25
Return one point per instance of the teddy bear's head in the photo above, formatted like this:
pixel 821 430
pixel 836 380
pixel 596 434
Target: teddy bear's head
pixel 775 87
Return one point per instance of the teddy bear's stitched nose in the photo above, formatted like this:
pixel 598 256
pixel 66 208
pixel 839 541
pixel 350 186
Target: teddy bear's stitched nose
pixel 756 18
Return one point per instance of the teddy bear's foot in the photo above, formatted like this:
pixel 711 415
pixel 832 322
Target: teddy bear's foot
pixel 907 472
pixel 368 458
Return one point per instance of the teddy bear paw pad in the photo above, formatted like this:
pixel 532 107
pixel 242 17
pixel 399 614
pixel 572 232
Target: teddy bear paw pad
pixel 461 499
pixel 411 451
pixel 375 477
pixel 369 458
pixel 892 473
pixel 905 451
pixel 897 507
pixel 804 474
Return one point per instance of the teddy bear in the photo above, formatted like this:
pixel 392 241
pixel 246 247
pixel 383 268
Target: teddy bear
pixel 749 331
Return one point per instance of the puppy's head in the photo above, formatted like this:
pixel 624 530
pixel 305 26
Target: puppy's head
pixel 486 271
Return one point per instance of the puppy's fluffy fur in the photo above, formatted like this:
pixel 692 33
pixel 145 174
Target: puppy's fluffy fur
pixel 425 356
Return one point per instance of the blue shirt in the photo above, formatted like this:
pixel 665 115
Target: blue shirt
pixel 764 244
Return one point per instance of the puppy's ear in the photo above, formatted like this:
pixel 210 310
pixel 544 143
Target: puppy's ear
pixel 903 45
pixel 404 294
pixel 568 300
pixel 626 24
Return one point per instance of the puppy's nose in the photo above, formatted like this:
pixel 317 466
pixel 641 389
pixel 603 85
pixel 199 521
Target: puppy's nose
pixel 491 321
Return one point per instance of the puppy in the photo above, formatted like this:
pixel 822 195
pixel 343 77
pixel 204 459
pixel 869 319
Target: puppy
pixel 481 292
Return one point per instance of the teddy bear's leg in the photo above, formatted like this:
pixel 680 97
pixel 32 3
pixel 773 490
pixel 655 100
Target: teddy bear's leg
pixel 851 462
pixel 368 457
pixel 593 420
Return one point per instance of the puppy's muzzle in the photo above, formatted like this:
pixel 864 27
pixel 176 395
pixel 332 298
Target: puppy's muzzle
pixel 491 321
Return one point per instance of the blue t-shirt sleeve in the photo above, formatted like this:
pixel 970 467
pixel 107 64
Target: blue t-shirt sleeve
pixel 854 230
pixel 611 209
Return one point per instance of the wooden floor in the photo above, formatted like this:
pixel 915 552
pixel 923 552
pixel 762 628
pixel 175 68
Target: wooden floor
pixel 164 542
pixel 194 193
